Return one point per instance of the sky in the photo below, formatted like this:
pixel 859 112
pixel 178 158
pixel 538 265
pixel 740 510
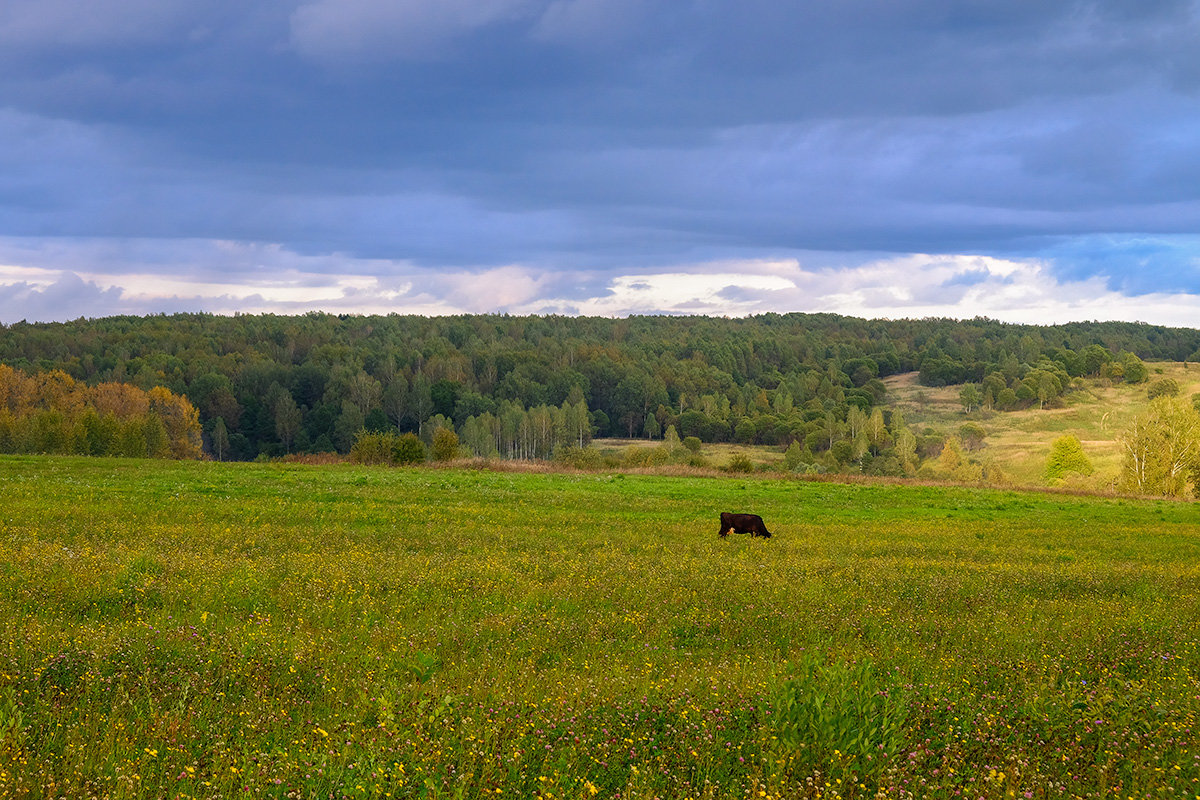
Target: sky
pixel 1026 160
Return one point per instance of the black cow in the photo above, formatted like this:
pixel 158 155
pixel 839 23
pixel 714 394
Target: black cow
pixel 743 523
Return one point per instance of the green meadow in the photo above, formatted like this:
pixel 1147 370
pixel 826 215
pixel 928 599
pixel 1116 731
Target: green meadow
pixel 188 629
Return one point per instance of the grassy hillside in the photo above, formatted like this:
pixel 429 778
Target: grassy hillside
pixel 1020 440
pixel 203 630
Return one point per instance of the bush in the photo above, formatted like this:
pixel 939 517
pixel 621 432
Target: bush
pixel 408 449
pixel 578 457
pixel 445 445
pixel 638 456
pixel 740 462
pixel 371 447
pixel 994 475
pixel 692 443
pixel 1165 387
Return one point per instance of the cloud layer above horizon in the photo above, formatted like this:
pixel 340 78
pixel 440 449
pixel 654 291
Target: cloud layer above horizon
pixel 1023 160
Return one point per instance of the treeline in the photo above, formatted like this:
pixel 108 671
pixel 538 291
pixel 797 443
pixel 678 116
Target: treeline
pixel 51 412
pixel 269 385
pixel 514 433
pixel 1016 385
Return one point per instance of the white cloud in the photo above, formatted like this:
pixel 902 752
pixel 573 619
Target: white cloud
pixel 909 286
pixel 63 279
pixel 494 289
pixel 66 279
pixel 962 287
pixel 716 293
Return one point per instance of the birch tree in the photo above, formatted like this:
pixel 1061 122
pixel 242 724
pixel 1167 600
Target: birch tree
pixel 1162 449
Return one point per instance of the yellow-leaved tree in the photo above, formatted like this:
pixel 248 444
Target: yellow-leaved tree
pixel 51 412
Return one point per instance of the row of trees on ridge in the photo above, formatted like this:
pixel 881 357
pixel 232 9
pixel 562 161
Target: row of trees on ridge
pixel 269 385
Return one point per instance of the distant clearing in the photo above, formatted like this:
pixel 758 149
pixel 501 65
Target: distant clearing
pixel 1020 440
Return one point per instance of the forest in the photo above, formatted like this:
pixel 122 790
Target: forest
pixel 531 387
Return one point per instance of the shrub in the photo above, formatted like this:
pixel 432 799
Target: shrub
pixel 638 456
pixel 373 448
pixel 740 462
pixel 408 449
pixel 445 445
pixel 1164 387
pixel 579 457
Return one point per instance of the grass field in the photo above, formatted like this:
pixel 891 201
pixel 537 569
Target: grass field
pixel 716 454
pixel 215 630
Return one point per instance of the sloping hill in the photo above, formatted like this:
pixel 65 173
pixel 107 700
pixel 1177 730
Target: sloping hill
pixel 1019 441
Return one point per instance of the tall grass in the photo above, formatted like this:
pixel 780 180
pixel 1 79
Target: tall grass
pixel 203 630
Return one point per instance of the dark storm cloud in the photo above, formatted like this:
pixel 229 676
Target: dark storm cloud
pixel 591 135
